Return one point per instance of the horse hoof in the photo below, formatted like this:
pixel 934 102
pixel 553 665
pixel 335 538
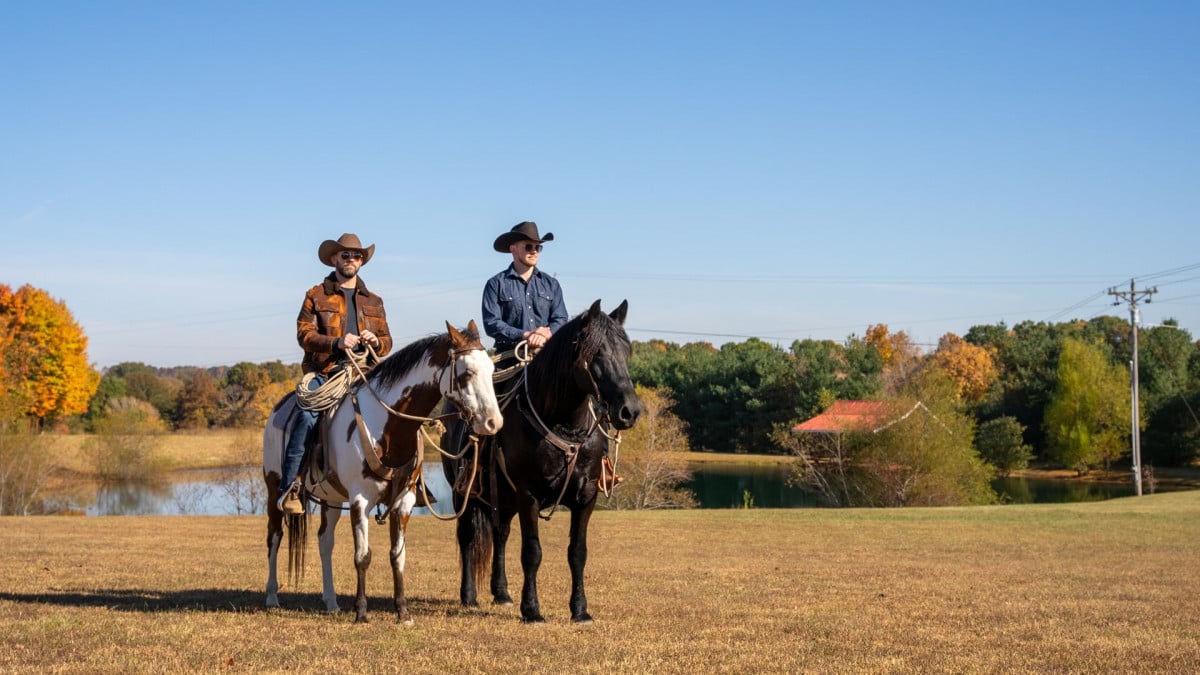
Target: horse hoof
pixel 361 619
pixel 503 603
pixel 406 622
pixel 536 620
pixel 582 621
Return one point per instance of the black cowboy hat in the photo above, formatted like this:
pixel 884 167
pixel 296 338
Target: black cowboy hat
pixel 526 231
pixel 346 242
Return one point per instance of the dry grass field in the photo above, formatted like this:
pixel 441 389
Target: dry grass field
pixel 1096 587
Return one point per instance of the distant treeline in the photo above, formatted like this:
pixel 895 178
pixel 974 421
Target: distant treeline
pixel 735 398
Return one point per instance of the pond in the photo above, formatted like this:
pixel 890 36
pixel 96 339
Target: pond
pixel 716 486
pixel 730 485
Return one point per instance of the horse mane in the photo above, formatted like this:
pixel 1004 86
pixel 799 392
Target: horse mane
pixel 551 368
pixel 398 364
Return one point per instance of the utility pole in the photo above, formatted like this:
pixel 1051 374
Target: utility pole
pixel 1132 296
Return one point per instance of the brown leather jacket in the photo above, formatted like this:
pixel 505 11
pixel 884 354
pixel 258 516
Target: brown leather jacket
pixel 322 322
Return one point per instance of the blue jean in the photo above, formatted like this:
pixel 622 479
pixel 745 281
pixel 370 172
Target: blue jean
pixel 298 440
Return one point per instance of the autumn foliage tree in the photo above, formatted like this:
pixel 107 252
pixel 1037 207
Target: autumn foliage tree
pixel 901 358
pixel 651 459
pixel 971 367
pixel 44 358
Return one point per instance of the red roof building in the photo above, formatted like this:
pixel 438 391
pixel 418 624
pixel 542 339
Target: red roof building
pixel 845 416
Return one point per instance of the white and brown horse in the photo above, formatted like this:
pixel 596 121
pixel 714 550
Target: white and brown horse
pixel 392 403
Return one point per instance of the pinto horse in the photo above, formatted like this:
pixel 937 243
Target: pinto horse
pixel 548 455
pixel 391 405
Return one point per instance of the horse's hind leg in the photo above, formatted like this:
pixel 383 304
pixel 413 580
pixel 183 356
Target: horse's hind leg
pixel 274 538
pixel 325 539
pixel 359 515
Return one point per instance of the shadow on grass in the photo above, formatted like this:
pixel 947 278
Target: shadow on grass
pixel 223 600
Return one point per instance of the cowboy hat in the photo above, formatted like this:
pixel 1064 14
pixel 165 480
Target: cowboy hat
pixel 346 242
pixel 526 231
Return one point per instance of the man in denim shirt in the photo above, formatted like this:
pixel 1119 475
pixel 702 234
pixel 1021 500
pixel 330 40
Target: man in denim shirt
pixel 522 302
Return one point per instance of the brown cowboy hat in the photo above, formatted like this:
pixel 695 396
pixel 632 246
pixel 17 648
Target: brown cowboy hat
pixel 526 231
pixel 346 242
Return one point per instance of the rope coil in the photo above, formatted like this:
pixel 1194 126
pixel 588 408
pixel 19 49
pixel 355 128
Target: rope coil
pixel 338 385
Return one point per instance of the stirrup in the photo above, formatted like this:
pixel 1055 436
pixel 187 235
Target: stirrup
pixel 289 502
pixel 609 478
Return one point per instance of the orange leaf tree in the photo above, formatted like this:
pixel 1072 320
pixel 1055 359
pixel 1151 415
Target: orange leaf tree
pixel 971 367
pixel 44 356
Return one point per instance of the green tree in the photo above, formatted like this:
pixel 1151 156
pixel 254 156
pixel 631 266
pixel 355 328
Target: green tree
pixel 1000 443
pixel 828 371
pixel 1088 416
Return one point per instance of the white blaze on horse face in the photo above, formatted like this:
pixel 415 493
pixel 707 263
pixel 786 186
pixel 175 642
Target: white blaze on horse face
pixel 478 395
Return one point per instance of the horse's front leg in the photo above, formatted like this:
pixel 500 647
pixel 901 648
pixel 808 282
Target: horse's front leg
pixel 500 595
pixel 325 537
pixel 398 524
pixel 531 560
pixel 577 559
pixel 359 516
pixel 470 541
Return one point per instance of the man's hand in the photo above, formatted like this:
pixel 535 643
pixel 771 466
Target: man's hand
pixel 370 338
pixel 537 337
pixel 350 341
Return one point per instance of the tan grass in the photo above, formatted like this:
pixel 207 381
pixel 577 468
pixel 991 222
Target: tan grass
pixel 1096 587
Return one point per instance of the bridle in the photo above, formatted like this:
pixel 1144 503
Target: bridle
pixel 570 450
pixel 378 467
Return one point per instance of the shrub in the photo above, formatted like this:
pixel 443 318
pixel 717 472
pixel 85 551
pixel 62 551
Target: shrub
pixel 125 445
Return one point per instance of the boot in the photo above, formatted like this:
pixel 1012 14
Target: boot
pixel 289 501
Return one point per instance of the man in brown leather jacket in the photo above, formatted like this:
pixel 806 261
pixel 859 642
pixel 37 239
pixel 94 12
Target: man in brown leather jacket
pixel 338 315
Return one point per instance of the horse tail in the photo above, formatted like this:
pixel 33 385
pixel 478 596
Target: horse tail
pixel 480 550
pixel 297 529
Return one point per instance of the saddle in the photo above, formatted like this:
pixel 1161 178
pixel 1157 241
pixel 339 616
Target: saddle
pixel 317 469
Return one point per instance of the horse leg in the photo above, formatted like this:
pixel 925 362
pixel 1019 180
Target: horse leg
pixel 576 559
pixel 500 594
pixel 325 537
pixel 359 517
pixel 474 545
pixel 274 538
pixel 531 560
pixel 398 524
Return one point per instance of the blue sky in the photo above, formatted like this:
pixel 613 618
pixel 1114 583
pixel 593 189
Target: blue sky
pixel 781 170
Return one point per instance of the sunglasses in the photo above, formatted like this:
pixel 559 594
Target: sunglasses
pixel 352 255
pixel 532 248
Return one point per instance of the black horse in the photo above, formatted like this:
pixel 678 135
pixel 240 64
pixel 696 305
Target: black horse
pixel 548 455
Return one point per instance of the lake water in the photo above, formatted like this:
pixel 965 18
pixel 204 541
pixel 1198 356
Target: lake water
pixel 716 486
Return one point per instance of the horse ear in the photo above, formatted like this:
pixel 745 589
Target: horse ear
pixel 456 338
pixel 594 310
pixel 472 328
pixel 618 314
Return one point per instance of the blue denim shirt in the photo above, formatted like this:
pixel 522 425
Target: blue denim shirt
pixel 511 306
